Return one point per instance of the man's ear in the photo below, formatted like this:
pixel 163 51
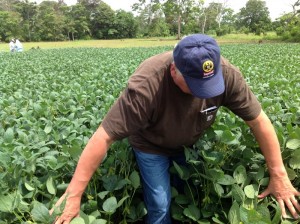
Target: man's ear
pixel 173 70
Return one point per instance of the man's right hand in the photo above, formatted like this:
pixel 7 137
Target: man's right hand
pixel 71 209
pixel 89 161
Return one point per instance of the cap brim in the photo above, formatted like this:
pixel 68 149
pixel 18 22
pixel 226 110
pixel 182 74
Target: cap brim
pixel 206 88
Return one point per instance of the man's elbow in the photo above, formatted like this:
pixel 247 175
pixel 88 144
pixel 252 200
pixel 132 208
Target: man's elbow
pixel 261 120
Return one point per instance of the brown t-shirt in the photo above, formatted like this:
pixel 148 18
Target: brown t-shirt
pixel 159 118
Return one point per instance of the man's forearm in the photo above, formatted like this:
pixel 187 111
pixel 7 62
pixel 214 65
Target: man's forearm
pixel 265 135
pixel 89 161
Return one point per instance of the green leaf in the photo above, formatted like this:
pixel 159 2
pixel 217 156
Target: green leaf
pixel 99 221
pixel 291 173
pixel 182 171
pixel 50 185
pixel 91 218
pixel 264 181
pixel 77 220
pixel 217 221
pixel 229 138
pixel 174 192
pixel 103 194
pixel 84 216
pixel 38 109
pixel 215 174
pixel 181 199
pixel 177 212
pixel 122 200
pixel 204 222
pixel 132 213
pixel 48 128
pixel 226 180
pixel 178 169
pixel 264 211
pixel 260 173
pixel 219 189
pixel 296 153
pixel 277 217
pixel 9 136
pixel 285 221
pixel 6 203
pixel 110 205
pixel 240 174
pixel 135 179
pixel 23 137
pixel 40 213
pixel 243 214
pixel 141 210
pixel 294 163
pixel 110 182
pixel 75 150
pixel 234 213
pixel 248 153
pixel 28 186
pixel 192 212
pixel 51 161
pixel 254 216
pixel 212 157
pixel 293 144
pixel 251 191
pixel 237 193
pixel 121 184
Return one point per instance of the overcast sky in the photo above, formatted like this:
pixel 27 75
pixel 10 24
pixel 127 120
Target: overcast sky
pixel 276 7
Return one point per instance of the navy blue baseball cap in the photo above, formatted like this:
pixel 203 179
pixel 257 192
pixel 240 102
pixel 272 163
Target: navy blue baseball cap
pixel 198 59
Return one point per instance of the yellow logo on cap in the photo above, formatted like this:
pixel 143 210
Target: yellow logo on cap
pixel 208 66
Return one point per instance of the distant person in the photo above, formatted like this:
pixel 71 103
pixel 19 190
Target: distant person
pixel 169 102
pixel 18 46
pixel 12 45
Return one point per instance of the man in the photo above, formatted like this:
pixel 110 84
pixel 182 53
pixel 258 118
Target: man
pixel 170 100
pixel 12 45
pixel 19 46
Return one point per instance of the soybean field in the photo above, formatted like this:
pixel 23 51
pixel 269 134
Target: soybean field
pixel 52 101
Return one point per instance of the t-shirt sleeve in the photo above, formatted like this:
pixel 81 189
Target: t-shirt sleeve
pixel 238 96
pixel 129 114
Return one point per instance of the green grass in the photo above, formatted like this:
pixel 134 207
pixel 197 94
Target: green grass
pixel 142 42
pixel 120 43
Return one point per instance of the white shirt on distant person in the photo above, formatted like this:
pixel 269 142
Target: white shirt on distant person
pixel 19 46
pixel 12 46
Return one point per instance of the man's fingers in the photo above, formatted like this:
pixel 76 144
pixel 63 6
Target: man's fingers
pixel 60 200
pixel 62 220
pixel 282 207
pixel 296 205
pixel 58 203
pixel 70 211
pixel 264 194
pixel 291 208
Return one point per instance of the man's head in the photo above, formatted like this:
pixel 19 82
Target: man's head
pixel 197 57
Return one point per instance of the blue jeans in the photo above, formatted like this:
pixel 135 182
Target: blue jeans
pixel 154 170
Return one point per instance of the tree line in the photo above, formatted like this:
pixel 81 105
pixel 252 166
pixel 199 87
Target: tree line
pixel 94 19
